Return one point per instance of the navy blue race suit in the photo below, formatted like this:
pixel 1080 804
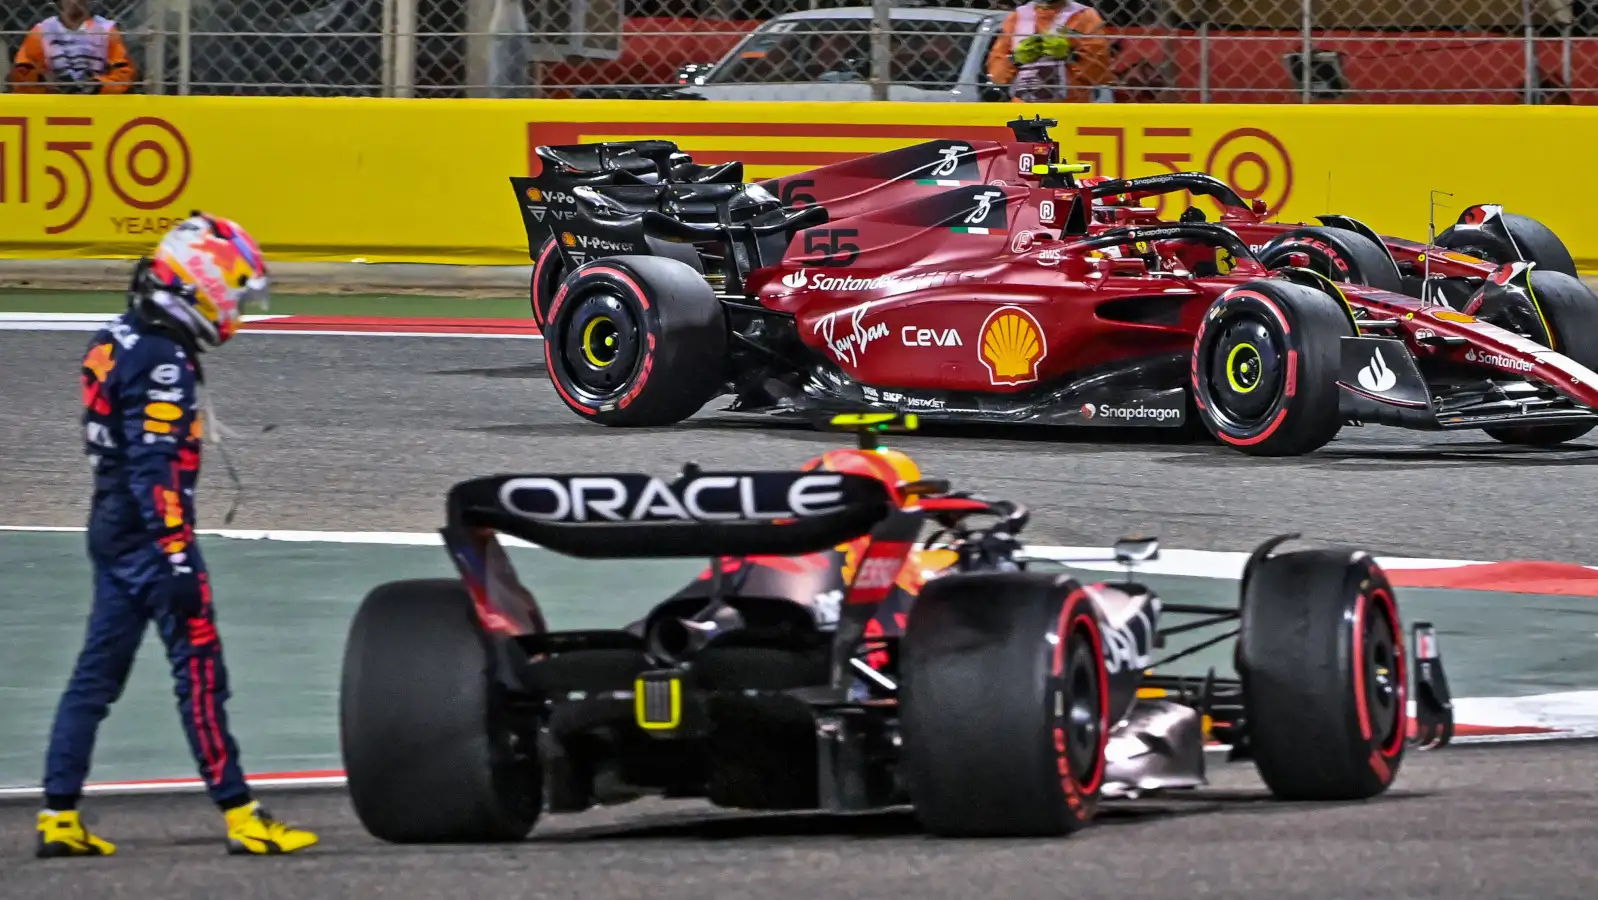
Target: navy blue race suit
pixel 142 430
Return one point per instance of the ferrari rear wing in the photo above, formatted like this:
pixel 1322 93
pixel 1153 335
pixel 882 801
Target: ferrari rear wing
pixel 707 514
pixel 546 199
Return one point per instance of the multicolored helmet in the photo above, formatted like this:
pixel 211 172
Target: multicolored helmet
pixel 203 273
pixel 891 467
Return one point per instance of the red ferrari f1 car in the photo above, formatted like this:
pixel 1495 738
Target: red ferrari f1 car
pixel 999 288
pixel 821 661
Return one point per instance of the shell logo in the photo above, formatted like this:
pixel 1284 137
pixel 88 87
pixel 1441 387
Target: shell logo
pixel 567 239
pixel 1448 315
pixel 535 195
pixel 1012 346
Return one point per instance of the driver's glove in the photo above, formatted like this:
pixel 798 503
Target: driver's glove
pixel 181 590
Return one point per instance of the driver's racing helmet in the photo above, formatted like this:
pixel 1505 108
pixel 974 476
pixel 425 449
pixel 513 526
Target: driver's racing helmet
pixel 202 274
pixel 888 466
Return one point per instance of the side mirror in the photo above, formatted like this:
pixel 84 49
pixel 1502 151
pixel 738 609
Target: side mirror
pixel 1132 550
pixel 1129 266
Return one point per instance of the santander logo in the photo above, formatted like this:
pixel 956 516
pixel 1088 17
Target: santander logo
pixel 795 280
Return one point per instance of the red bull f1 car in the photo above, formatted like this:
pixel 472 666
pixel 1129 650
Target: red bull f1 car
pixel 861 637
pixel 983 282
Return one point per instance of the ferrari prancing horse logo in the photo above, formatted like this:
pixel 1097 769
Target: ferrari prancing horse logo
pixel 1012 346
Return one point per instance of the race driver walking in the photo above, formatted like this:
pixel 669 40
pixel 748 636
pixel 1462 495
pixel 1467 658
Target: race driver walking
pixel 143 426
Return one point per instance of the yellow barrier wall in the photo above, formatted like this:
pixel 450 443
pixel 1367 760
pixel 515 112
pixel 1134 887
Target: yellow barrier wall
pixel 336 180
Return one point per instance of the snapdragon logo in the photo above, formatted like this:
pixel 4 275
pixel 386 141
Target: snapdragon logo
pixel 1131 413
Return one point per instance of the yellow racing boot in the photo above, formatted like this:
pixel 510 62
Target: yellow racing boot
pixel 251 829
pixel 62 834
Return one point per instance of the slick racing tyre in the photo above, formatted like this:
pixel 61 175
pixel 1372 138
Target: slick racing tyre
pixel 1004 706
pixel 636 341
pixel 1337 253
pixel 1265 367
pixel 1536 240
pixel 549 270
pixel 426 750
pixel 1561 313
pixel 1321 656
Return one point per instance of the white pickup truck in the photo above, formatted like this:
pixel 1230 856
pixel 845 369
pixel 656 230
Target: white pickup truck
pixel 937 55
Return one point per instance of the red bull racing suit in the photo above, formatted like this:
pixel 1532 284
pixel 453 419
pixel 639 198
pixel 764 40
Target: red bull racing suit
pixel 142 430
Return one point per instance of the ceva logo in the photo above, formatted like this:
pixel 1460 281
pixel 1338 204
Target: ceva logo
pixel 795 280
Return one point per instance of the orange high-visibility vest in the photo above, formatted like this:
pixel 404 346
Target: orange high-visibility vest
pixel 92 52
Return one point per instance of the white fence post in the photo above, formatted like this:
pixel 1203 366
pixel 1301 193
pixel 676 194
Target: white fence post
pixel 404 77
pixel 185 45
pixel 881 55
pixel 156 25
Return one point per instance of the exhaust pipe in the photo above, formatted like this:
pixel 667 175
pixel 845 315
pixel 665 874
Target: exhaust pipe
pixel 674 638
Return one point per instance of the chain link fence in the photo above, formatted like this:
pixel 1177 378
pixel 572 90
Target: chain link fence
pixel 1191 51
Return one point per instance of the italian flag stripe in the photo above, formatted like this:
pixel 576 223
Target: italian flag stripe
pixel 939 182
pixel 968 230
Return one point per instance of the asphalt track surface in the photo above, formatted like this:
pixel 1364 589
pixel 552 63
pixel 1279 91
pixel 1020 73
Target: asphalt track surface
pixel 1488 822
pixel 367 434
pixel 346 434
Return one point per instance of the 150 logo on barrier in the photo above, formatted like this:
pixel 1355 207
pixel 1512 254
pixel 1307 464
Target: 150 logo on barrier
pixel 1252 160
pixel 63 162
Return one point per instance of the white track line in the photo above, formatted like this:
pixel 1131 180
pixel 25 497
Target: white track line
pixel 90 322
pixel 405 334
pixel 1194 563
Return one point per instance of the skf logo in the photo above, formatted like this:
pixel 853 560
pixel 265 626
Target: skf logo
pixel 1012 346
pixel 535 195
pixel 568 239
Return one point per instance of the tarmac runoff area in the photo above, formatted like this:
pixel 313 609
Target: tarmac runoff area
pixel 367 433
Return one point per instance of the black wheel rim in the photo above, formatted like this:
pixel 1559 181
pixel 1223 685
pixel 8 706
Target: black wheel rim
pixel 1382 689
pixel 1083 715
pixel 1246 366
pixel 601 343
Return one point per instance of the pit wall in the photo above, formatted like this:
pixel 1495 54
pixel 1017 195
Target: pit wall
pixel 424 181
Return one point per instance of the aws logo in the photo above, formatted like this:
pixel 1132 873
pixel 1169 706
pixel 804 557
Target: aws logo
pixel 1012 346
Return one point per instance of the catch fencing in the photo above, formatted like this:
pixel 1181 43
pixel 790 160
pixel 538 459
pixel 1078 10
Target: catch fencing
pixel 1193 51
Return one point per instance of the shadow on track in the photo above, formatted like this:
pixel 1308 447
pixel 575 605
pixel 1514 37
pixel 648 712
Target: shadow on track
pixel 902 823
